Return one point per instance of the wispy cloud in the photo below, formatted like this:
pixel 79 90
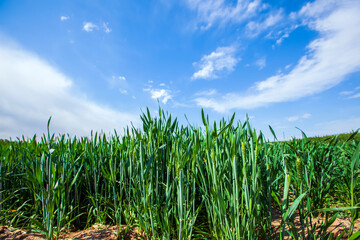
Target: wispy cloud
pixel 321 7
pixel 280 35
pixel 261 62
pixel 355 93
pixel 254 28
pixel 123 91
pixel 118 81
pixel 210 12
pixel 297 118
pixel 287 66
pixel 32 90
pixel 256 15
pixel 64 18
pixel 89 27
pixel 281 39
pixel 346 92
pixel 209 92
pixel 106 27
pixel 329 59
pixel 221 60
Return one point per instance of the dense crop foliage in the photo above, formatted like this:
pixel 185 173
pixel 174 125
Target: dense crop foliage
pixel 180 182
pixel 343 137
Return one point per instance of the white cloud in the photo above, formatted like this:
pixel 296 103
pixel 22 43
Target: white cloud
pixel 329 59
pixel 209 92
pixel 106 28
pixel 89 26
pixel 222 59
pixel 210 12
pixel 254 28
pixel 306 115
pixel 279 36
pixel 164 95
pixel 261 63
pixel 281 39
pixel 320 7
pixel 293 118
pixel 64 18
pixel 297 118
pixel 270 83
pixel 32 90
pixel 355 93
pixel 346 92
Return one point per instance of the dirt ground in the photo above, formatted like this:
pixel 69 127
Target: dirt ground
pixel 338 227
pixel 95 232
pixel 106 232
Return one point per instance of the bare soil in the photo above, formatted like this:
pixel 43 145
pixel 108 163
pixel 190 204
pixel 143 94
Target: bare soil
pixel 109 232
pixel 95 232
pixel 339 226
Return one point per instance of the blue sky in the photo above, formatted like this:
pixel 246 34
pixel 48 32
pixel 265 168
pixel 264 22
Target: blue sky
pixel 98 64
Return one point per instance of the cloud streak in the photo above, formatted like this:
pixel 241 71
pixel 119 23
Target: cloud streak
pixel 297 118
pixel 329 59
pixel 261 62
pixel 254 28
pixel 32 90
pixel 210 12
pixel 106 28
pixel 354 93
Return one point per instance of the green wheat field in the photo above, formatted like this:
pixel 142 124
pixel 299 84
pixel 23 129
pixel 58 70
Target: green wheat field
pixel 223 180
